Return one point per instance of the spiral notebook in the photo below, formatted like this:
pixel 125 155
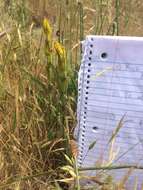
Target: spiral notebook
pixel 110 106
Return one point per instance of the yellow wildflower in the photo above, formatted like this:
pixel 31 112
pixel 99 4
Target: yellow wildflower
pixel 47 29
pixel 60 50
pixel 62 67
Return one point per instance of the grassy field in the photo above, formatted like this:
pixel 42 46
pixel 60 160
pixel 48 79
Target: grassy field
pixel 39 61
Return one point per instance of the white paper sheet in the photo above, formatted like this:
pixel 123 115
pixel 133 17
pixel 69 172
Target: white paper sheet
pixel 110 88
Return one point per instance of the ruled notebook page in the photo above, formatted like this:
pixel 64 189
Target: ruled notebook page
pixel 111 90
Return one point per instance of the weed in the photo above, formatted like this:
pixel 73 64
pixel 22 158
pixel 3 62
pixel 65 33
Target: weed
pixel 39 60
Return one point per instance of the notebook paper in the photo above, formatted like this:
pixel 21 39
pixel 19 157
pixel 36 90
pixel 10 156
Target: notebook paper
pixel 111 92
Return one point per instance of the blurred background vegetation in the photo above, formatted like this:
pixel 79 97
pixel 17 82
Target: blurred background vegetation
pixel 39 61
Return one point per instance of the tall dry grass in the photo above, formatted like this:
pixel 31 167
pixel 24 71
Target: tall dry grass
pixel 38 84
